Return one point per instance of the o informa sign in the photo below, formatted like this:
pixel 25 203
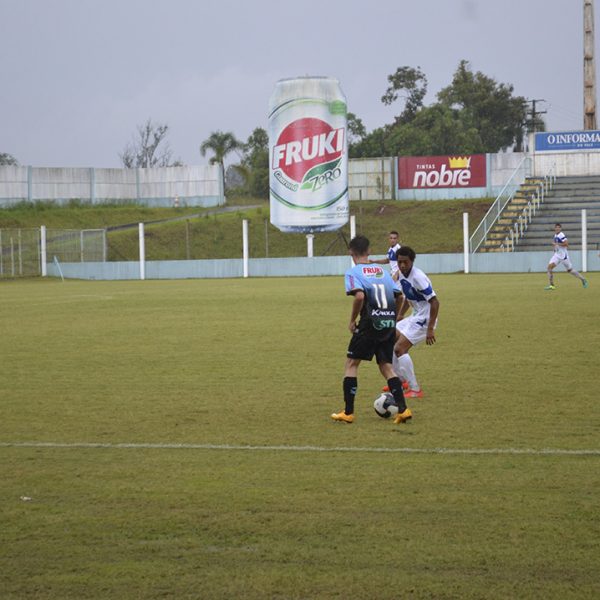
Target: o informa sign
pixel 562 141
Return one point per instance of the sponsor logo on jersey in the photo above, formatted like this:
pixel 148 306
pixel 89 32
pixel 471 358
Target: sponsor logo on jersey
pixel 373 272
pixel 383 312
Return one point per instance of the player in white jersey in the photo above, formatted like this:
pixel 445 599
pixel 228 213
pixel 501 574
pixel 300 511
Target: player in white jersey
pixel 420 325
pixel 561 257
pixel 390 260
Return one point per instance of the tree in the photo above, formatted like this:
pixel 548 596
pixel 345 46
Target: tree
pixel 413 83
pixel 220 144
pixel 8 160
pixel 356 129
pixel 258 141
pixel 255 163
pixel 149 148
pixel 435 130
pixel 372 144
pixel 487 106
pixel 474 114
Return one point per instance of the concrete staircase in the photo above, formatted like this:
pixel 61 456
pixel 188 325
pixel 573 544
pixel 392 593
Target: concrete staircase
pixel 563 204
pixel 500 231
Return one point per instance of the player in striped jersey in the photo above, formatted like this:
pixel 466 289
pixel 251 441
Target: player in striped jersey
pixel 420 325
pixel 561 256
pixel 390 260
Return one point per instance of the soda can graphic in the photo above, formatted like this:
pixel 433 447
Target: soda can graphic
pixel 308 155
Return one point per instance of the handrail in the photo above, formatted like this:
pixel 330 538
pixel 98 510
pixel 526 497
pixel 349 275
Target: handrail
pixel 493 214
pixel 524 219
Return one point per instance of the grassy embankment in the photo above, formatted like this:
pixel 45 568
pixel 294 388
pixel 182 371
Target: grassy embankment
pixel 429 227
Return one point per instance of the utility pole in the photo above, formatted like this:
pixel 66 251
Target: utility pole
pixel 589 69
pixel 535 113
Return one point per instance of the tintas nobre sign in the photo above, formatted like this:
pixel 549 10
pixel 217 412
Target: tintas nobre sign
pixel 562 141
pixel 430 172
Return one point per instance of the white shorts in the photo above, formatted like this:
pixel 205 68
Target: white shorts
pixel 557 260
pixel 414 329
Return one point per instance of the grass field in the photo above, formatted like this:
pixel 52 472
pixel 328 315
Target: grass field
pixel 171 439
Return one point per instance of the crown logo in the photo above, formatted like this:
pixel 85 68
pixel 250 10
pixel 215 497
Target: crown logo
pixel 460 162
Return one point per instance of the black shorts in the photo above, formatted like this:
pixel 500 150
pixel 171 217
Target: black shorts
pixel 365 345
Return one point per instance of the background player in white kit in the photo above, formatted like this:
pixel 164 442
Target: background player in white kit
pixel 420 325
pixel 561 256
pixel 393 238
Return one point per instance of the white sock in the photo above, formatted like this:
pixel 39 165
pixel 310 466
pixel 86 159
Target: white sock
pixel 406 370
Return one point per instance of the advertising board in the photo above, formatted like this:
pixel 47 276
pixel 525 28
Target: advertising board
pixel 432 172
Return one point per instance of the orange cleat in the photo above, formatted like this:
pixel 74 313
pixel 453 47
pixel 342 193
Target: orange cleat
pixel 403 417
pixel 342 416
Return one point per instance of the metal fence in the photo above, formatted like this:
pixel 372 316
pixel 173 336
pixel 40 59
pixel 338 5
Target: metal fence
pixel 76 245
pixel 20 252
pixel 21 249
pixel 479 236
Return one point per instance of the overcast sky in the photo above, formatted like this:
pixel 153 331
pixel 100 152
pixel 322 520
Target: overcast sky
pixel 78 76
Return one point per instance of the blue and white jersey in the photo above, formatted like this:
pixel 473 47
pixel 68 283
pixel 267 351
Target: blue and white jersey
pixel 418 291
pixel 379 309
pixel 560 251
pixel 392 258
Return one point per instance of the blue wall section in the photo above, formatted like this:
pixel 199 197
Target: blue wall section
pixel 506 262
pixel 194 269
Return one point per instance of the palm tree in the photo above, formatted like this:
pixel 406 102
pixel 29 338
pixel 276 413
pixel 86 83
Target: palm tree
pixel 221 144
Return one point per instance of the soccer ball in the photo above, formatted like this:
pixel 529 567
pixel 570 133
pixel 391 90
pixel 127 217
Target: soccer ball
pixel 385 405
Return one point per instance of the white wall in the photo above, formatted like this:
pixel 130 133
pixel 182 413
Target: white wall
pixel 503 165
pixel 567 163
pixel 193 186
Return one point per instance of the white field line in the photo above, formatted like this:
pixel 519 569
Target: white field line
pixel 463 451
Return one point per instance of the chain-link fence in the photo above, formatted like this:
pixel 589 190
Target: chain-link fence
pixel 76 245
pixel 20 252
pixel 21 249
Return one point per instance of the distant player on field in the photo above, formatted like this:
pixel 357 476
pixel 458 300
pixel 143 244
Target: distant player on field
pixel 375 301
pixel 561 256
pixel 420 325
pixel 393 239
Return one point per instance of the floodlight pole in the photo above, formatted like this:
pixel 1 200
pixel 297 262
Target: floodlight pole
pixel 309 244
pixel 584 240
pixel 589 70
pixel 466 241
pixel 245 246
pixel 352 233
pixel 44 268
pixel 142 251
